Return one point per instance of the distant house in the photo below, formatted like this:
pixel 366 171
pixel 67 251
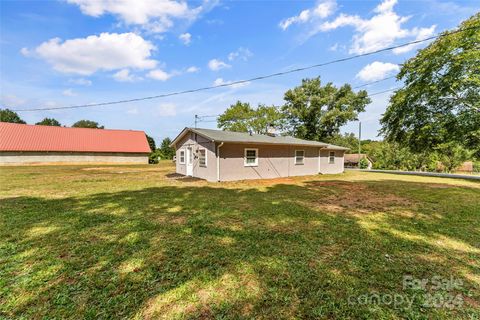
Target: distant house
pixel 352 160
pixel 217 155
pixel 467 166
pixel 22 144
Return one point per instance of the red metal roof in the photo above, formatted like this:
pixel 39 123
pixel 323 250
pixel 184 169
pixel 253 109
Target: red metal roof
pixel 24 137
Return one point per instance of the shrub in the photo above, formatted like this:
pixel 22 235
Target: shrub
pixel 363 163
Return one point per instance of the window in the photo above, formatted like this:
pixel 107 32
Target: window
pixel 182 156
pixel 299 156
pixel 251 157
pixel 331 157
pixel 202 157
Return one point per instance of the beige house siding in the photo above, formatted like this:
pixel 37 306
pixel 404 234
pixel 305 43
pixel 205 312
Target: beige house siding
pixel 197 142
pixel 12 158
pixel 331 168
pixel 274 161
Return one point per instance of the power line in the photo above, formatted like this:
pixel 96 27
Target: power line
pixel 370 95
pixel 373 82
pixel 277 74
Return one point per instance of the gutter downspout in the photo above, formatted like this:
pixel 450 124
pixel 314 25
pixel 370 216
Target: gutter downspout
pixel 218 161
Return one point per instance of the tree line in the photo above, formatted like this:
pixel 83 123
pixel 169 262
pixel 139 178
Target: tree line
pixel 7 115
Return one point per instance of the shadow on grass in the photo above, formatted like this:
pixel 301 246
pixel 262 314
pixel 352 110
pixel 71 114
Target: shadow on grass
pixel 204 252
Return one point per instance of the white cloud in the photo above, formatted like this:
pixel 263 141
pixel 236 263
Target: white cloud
pixel 154 16
pixel 11 100
pixel 216 65
pixel 240 54
pixel 108 51
pixel 159 74
pixel 186 38
pixel 221 82
pixel 193 69
pixel 378 32
pixel 81 82
pixel 321 10
pixel 132 111
pixel 69 93
pixel 166 110
pixel 124 75
pixel 25 52
pixel 377 71
pixel 422 33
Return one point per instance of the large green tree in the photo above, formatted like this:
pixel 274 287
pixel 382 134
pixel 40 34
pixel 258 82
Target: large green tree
pixel 87 124
pixel 49 122
pixel 440 101
pixel 241 117
pixel 315 112
pixel 7 115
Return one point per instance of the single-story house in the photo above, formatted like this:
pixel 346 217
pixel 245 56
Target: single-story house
pixel 352 160
pixel 23 144
pixel 217 155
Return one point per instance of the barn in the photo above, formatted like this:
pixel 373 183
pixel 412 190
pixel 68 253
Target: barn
pixel 34 144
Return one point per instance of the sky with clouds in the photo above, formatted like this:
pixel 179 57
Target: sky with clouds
pixel 71 52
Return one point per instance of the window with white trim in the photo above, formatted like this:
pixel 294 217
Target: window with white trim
pixel 331 157
pixel 251 157
pixel 299 156
pixel 202 157
pixel 182 156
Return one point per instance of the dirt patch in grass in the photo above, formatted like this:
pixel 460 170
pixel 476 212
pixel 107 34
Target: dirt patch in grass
pixel 357 197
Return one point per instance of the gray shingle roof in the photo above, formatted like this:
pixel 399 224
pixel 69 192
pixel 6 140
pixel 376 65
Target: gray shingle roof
pixel 242 137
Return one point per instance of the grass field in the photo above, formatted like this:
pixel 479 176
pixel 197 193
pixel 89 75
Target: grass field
pixel 130 242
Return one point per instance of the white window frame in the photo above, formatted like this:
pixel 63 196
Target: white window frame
pixel 255 164
pixel 330 157
pixel 200 155
pixel 180 156
pixel 303 157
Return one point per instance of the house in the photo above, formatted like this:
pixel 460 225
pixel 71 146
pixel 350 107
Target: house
pixel 352 160
pixel 23 143
pixel 217 155
pixel 466 167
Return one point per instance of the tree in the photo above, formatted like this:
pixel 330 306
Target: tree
pixel 7 115
pixel 347 140
pixel 440 101
pixel 166 152
pixel 392 156
pixel 452 155
pixel 241 117
pixel 316 112
pixel 49 122
pixel 151 143
pixel 87 124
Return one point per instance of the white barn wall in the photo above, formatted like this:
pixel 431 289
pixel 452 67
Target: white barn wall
pixel 12 158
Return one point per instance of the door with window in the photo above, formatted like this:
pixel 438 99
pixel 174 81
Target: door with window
pixel 189 162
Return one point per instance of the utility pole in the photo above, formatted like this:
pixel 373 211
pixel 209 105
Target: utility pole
pixel 359 137
pixel 196 120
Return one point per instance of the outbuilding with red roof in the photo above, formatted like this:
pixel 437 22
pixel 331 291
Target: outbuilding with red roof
pixel 23 143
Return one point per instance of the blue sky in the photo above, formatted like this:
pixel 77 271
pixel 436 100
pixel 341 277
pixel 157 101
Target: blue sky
pixel 61 53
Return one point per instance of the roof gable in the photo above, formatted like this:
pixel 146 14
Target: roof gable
pixel 23 137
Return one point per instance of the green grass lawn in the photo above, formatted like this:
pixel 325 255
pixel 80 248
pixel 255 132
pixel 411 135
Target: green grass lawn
pixel 130 242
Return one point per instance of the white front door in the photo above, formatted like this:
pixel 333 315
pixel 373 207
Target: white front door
pixel 189 162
